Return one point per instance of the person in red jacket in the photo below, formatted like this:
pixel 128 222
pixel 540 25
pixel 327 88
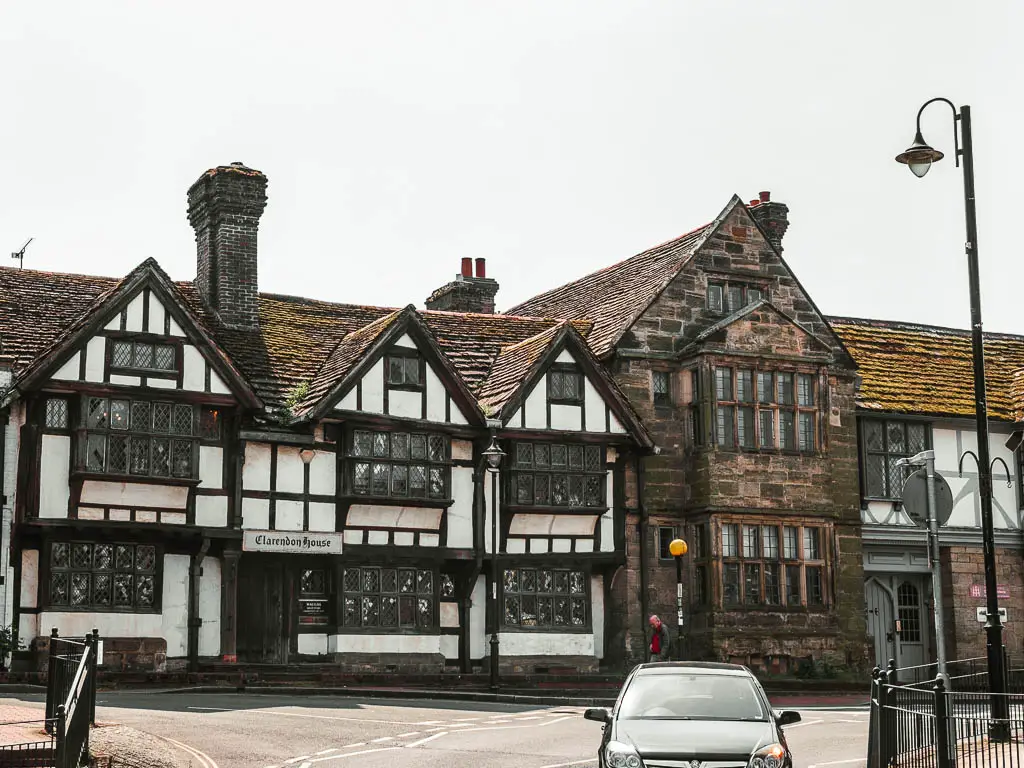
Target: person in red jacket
pixel 660 642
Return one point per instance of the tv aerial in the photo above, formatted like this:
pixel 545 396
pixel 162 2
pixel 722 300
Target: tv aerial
pixel 20 254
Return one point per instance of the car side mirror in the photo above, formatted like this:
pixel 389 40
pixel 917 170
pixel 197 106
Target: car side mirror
pixel 598 714
pixel 787 717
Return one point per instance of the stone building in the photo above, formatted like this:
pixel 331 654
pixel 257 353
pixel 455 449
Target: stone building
pixel 917 393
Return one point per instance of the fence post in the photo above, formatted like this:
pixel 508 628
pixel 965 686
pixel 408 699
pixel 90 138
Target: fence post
pixel 93 674
pixel 61 738
pixel 873 722
pixel 945 755
pixel 51 664
pixel 890 744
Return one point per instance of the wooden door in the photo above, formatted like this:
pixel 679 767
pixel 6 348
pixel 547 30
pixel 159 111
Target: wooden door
pixel 263 634
pixel 881 621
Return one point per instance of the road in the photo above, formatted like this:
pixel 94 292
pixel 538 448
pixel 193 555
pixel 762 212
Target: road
pixel 273 731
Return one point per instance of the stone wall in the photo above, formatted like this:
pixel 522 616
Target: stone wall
pixel 963 567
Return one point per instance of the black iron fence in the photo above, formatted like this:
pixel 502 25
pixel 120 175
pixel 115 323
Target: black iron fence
pixel 917 723
pixel 30 754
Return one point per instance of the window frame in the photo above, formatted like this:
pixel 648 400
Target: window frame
pixel 47 571
pixel 866 452
pixel 68 413
pixel 702 593
pixel 728 413
pixel 405 355
pixel 537 568
pixel 151 340
pixel 663 553
pixel 565 369
pixel 661 399
pixel 339 625
pixel 724 286
pixel 515 471
pixel 781 560
pixel 350 459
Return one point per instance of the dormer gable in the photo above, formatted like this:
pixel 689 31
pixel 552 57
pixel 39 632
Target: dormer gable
pixel 761 328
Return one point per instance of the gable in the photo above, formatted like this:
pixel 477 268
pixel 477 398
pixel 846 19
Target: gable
pixel 760 329
pixel 402 393
pixel 545 405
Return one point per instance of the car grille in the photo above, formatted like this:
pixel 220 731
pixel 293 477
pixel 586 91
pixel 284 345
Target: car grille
pixel 695 763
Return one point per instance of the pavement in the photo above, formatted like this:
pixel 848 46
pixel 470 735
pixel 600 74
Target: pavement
pixel 247 730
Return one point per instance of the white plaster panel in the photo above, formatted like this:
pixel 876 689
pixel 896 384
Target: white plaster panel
pixel 212 511
pixel 594 406
pixel 460 513
pixel 90 513
pixel 436 397
pixel 513 420
pixel 29 597
pixel 176 329
pixel 114 324
pixel 949 444
pixel 404 404
pixel 537 405
pixel 565 356
pixel 477 617
pixel 95 351
pixel 404 538
pixel 573 525
pixel 312 645
pixel 373 388
pixel 174 619
pixel 377 538
pixel 610 456
pixel 156 315
pixel 488 510
pixel 561 545
pixel 458 417
pixel 538 546
pixel 194 369
pixel 256 469
pixel 449 614
pixel 584 545
pixel 546 644
pixel 616 425
pixel 607 532
pixel 145 516
pixel 211 466
pixel 217 384
pixel 28 626
pixel 515 546
pixel 54 470
pixel 462 450
pixel 568 418
pixel 321 516
pixel 69 371
pixel 405 341
pixel 289 470
pixel 450 646
pixel 597 613
pixel 368 515
pixel 114 494
pixel 353 536
pixel 121 515
pixel 126 381
pixel 288 515
pixel 322 470
pixel 162 383
pixel 348 402
pixel 429 540
pixel 209 606
pixel 133 315
pixel 256 514
pixel 386 643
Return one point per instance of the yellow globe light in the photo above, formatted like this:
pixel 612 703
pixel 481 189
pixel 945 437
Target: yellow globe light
pixel 677 548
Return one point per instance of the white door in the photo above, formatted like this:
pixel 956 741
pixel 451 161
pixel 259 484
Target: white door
pixel 910 627
pixel 881 621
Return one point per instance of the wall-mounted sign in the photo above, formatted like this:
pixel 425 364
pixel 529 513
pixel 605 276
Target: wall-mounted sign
pixel 313 611
pixel 983 615
pixel 292 542
pixel 978 590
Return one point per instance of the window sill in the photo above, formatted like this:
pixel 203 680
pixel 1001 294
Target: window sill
pixel 149 374
pixel 99 609
pixel 794 609
pixel 573 630
pixel 422 631
pixel 81 474
pixel 549 510
pixel 394 501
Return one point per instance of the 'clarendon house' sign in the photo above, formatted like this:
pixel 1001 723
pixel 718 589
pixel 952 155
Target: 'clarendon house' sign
pixel 299 542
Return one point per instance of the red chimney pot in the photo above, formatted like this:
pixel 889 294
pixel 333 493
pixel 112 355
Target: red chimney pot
pixel 481 267
pixel 467 266
pixel 766 197
pixel 754 202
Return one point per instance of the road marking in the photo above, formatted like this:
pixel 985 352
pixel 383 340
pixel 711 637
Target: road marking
pixel 424 741
pixel 205 761
pixel 296 759
pixel 275 713
pixel 429 722
pixel 801 725
pixel 578 762
pixel 840 762
pixel 212 709
pixel 381 739
pixel 407 735
pixel 531 717
pixel 510 727
pixel 347 754
pixel 329 749
pixel 856 722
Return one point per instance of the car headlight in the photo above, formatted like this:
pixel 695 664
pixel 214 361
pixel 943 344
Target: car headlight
pixel 771 756
pixel 619 755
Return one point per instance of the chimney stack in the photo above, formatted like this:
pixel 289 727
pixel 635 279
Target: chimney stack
pixel 773 218
pixel 469 292
pixel 224 208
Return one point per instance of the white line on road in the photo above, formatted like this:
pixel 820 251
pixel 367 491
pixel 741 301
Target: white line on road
pixel 296 759
pixel 578 762
pixel 329 749
pixel 407 735
pixel 347 754
pixel 212 709
pixel 840 762
pixel 381 739
pixel 801 725
pixel 424 741
pixel 204 759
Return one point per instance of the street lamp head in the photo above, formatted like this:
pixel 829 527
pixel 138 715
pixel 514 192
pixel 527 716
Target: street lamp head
pixel 677 548
pixel 919 156
pixel 494 455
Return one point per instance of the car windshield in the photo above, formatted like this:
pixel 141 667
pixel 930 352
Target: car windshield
pixel 684 696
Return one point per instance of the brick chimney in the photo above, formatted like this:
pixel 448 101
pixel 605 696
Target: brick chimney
pixel 773 217
pixel 469 292
pixel 224 208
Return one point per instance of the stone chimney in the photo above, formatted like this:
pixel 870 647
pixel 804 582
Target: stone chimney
pixel 224 208
pixel 469 292
pixel 773 218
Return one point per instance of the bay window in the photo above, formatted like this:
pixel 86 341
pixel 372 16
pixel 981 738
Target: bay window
pixel 765 410
pixel 103 577
pixel 772 564
pixel 544 599
pixel 375 598
pixel 401 465
pixel 558 475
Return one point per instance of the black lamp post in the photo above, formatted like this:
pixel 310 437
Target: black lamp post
pixel 677 548
pixel 919 157
pixel 494 455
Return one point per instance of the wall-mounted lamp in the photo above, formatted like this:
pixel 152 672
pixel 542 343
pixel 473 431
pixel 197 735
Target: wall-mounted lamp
pixel 307 454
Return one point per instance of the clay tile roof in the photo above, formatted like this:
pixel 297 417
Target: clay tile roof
pixel 512 367
pixel 908 368
pixel 614 297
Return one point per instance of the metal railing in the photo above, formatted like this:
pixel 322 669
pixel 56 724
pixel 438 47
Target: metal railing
pixel 29 754
pixel 71 697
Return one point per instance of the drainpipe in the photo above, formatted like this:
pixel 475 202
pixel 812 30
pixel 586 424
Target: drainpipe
pixel 644 600
pixel 194 621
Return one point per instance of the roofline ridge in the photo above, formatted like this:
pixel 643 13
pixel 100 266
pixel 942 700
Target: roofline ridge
pixel 18 270
pixel 908 325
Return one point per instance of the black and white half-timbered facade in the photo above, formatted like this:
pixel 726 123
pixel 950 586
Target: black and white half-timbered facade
pixel 204 472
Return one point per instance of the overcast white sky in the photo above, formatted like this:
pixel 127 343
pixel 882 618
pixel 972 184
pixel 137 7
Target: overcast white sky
pixel 552 137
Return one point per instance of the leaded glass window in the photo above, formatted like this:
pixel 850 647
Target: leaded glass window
pixel 56 413
pixel 374 598
pixel 565 385
pixel 103 576
pixel 765 410
pixel 143 356
pixel 884 443
pixel 556 475
pixel 404 371
pixel 544 599
pixel 399 465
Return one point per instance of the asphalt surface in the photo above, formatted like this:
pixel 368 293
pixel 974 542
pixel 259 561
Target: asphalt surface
pixel 274 731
